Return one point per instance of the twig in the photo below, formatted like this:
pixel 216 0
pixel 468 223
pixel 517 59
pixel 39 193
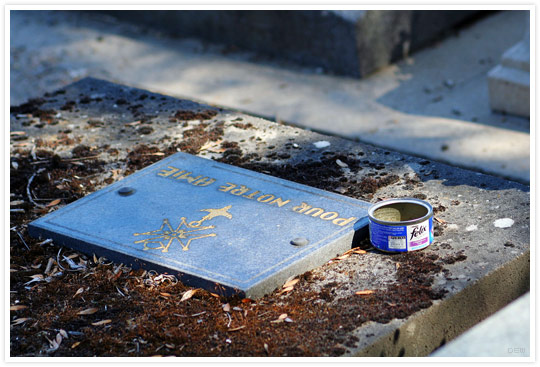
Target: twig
pixel 264 313
pixel 22 239
pixel 28 189
pixel 80 159
pixel 49 266
pixel 58 259
pixel 47 241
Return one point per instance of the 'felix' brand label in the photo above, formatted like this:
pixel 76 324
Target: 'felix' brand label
pixel 401 238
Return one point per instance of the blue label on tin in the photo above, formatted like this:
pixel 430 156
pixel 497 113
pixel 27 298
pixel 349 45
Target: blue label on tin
pixel 401 238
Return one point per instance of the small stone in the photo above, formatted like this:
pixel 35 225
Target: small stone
pixel 341 164
pixel 503 223
pixel 472 227
pixel 321 144
pixel 299 241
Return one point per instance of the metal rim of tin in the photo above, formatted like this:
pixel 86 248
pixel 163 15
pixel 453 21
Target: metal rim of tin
pixel 383 203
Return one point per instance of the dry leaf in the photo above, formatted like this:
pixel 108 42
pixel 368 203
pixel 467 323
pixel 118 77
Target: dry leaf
pixel 17 307
pixel 75 345
pixel 53 203
pixel 88 311
pixel 160 154
pixel 247 300
pixel 35 278
pixel 188 294
pixel 134 123
pixel 291 283
pixel 212 145
pixel 344 256
pixel 79 291
pixel 364 292
pixel 55 343
pixel 341 164
pixel 165 294
pixel 20 320
pixel 17 133
pixel 281 317
pixel 63 333
pixel 226 307
pixel 355 250
pixel 441 221
pixel 102 322
pixel 286 290
pixel 16 202
pixel 237 328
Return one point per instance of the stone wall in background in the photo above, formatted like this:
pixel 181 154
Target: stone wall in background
pixel 344 42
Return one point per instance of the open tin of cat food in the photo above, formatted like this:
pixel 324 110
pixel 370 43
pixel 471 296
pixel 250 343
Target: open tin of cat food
pixel 401 225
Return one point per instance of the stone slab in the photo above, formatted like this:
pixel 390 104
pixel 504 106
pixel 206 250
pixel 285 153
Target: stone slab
pixel 204 220
pixel 496 269
pixel 345 42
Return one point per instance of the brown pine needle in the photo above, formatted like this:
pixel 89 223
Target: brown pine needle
pixel 364 292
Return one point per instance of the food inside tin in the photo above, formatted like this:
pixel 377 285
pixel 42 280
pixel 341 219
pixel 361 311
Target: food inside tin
pixel 400 212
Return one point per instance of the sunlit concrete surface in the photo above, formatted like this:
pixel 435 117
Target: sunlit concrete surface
pixel 434 104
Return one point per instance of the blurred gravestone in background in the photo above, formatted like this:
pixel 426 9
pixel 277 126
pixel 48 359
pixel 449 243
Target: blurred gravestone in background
pixel 345 42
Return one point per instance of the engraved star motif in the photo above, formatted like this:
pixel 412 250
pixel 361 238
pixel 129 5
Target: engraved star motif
pixel 185 233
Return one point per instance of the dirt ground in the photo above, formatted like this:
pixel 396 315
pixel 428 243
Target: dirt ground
pixel 65 303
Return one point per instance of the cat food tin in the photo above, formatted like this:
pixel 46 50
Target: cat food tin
pixel 401 225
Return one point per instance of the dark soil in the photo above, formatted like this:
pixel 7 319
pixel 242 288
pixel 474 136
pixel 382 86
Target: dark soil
pixel 140 313
pixel 187 115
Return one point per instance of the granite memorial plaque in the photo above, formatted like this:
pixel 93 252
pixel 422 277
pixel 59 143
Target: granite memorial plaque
pixel 213 225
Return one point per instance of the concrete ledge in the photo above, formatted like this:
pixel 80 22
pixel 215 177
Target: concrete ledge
pixel 509 90
pixel 483 265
